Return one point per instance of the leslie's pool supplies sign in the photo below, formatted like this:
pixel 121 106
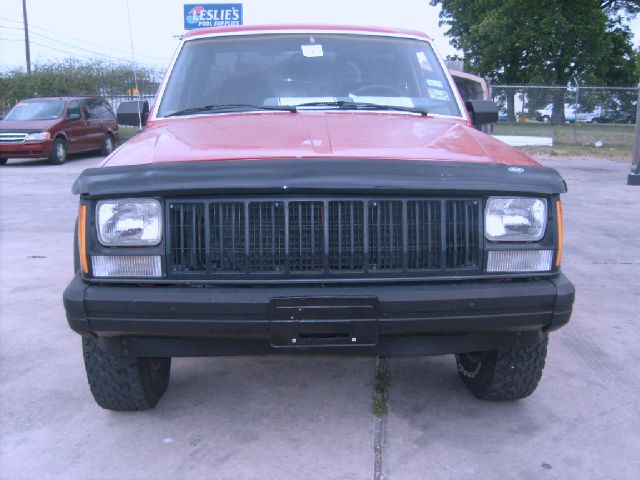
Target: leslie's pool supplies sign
pixel 200 15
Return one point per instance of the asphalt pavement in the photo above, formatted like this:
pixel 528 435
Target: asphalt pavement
pixel 311 418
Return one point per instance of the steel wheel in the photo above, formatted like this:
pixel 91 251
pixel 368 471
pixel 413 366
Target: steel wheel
pixel 58 152
pixel 107 145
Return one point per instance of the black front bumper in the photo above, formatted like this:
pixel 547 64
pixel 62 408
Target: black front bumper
pixel 381 319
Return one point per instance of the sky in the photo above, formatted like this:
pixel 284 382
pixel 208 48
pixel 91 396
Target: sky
pixel 87 29
pixel 90 29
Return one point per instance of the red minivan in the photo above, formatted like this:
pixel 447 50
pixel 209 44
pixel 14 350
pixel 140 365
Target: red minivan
pixel 57 126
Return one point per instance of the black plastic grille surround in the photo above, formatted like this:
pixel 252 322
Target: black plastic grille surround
pixel 323 237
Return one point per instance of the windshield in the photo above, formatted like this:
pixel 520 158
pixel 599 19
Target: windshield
pixel 36 110
pixel 318 69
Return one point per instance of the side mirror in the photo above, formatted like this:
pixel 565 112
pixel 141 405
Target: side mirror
pixel 74 116
pixel 133 114
pixel 482 112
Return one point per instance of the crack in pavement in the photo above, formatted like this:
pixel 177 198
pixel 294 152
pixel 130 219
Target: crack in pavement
pixel 380 420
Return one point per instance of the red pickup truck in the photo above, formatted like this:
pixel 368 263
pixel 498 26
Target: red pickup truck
pixel 314 189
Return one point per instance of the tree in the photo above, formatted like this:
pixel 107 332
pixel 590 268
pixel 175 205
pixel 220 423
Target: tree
pixel 71 77
pixel 535 41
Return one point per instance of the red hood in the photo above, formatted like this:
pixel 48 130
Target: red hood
pixel 320 134
pixel 28 124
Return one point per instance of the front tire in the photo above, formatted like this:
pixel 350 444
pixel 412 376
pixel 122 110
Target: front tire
pixel 58 152
pixel 121 383
pixel 509 374
pixel 107 145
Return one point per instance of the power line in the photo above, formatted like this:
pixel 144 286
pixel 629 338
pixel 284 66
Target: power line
pixel 46 37
pixel 66 36
pixel 49 47
pixel 84 41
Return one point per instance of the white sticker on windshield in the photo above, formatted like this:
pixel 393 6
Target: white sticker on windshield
pixel 422 60
pixel 312 50
pixel 434 83
pixel 437 94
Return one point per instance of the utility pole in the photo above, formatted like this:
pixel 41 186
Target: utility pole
pixel 634 175
pixel 26 36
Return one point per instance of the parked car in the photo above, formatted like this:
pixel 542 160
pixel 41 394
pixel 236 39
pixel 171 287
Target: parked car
pixel 314 190
pixel 546 113
pixel 53 128
pixel 585 114
pixel 572 113
pixel 615 116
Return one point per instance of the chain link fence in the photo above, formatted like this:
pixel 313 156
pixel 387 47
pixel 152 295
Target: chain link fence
pixel 573 115
pixel 113 99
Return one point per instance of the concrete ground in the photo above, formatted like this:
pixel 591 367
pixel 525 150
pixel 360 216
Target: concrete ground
pixel 290 418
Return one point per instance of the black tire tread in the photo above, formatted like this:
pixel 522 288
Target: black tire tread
pixel 118 383
pixel 511 374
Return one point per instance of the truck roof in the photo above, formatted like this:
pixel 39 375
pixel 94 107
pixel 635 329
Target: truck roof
pixel 305 27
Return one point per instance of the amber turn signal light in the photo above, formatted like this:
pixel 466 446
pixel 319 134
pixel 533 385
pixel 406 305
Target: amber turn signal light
pixel 82 238
pixel 560 232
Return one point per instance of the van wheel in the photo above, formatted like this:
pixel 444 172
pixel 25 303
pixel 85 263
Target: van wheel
pixel 58 152
pixel 3 161
pixel 509 374
pixel 107 145
pixel 124 383
pixel 546 118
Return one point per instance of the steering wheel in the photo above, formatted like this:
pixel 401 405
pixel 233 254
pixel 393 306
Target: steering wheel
pixel 379 90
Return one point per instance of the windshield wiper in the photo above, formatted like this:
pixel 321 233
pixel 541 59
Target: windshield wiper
pixel 229 107
pixel 348 105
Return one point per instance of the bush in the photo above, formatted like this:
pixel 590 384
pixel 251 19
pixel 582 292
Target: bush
pixel 72 77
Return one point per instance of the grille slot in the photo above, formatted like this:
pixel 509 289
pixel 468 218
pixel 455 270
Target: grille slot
pixel 385 235
pixel 266 237
pixel 306 232
pixel 188 250
pixel 227 238
pixel 227 250
pixel 346 235
pixel 462 234
pixel 424 244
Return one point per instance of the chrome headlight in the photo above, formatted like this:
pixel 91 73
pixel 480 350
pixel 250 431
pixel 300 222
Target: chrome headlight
pixel 129 222
pixel 37 137
pixel 515 219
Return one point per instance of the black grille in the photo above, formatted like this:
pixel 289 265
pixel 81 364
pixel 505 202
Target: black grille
pixel 306 236
pixel 227 234
pixel 188 251
pixel 462 242
pixel 346 235
pixel 424 245
pixel 324 237
pixel 266 237
pixel 385 235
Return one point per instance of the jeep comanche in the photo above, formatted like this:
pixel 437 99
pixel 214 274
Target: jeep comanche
pixel 317 190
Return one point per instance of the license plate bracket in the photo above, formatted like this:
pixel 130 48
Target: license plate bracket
pixel 324 321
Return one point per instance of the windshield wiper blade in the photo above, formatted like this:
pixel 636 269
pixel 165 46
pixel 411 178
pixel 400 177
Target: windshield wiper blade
pixel 364 106
pixel 230 107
